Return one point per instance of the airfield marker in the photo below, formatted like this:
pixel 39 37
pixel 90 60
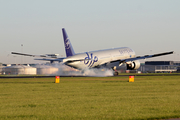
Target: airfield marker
pixel 57 79
pixel 131 78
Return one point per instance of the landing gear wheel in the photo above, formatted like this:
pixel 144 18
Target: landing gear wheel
pixel 115 73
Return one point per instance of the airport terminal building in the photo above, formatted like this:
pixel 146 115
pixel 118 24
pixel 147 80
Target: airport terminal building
pixel 160 67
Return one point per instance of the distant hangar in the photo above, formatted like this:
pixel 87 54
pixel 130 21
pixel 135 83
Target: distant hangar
pixel 159 66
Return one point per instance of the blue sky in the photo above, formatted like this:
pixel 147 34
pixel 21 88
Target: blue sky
pixel 146 26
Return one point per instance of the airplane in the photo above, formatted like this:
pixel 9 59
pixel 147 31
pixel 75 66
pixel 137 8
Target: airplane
pixel 108 58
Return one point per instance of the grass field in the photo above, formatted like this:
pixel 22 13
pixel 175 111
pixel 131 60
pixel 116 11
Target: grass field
pixel 149 97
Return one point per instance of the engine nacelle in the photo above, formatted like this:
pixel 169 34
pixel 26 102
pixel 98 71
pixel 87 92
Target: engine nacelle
pixel 134 65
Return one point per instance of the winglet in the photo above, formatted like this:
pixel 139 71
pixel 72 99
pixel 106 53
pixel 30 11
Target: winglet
pixel 68 47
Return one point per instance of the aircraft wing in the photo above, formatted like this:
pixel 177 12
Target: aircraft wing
pixel 51 60
pixel 46 57
pixel 142 57
pixel 30 55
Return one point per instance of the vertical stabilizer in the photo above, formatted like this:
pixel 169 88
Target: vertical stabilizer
pixel 67 44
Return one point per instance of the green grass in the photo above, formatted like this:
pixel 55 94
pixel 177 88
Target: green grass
pixel 149 97
pixel 150 74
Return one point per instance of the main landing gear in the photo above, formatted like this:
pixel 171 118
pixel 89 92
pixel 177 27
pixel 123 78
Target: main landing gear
pixel 115 71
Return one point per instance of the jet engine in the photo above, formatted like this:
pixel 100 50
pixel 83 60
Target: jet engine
pixel 134 65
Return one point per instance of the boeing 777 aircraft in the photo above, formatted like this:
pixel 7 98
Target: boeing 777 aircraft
pixel 109 58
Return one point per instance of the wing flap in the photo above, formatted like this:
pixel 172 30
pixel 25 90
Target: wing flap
pixel 71 61
pixel 52 60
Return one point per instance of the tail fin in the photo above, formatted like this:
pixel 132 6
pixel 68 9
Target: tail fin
pixel 67 44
